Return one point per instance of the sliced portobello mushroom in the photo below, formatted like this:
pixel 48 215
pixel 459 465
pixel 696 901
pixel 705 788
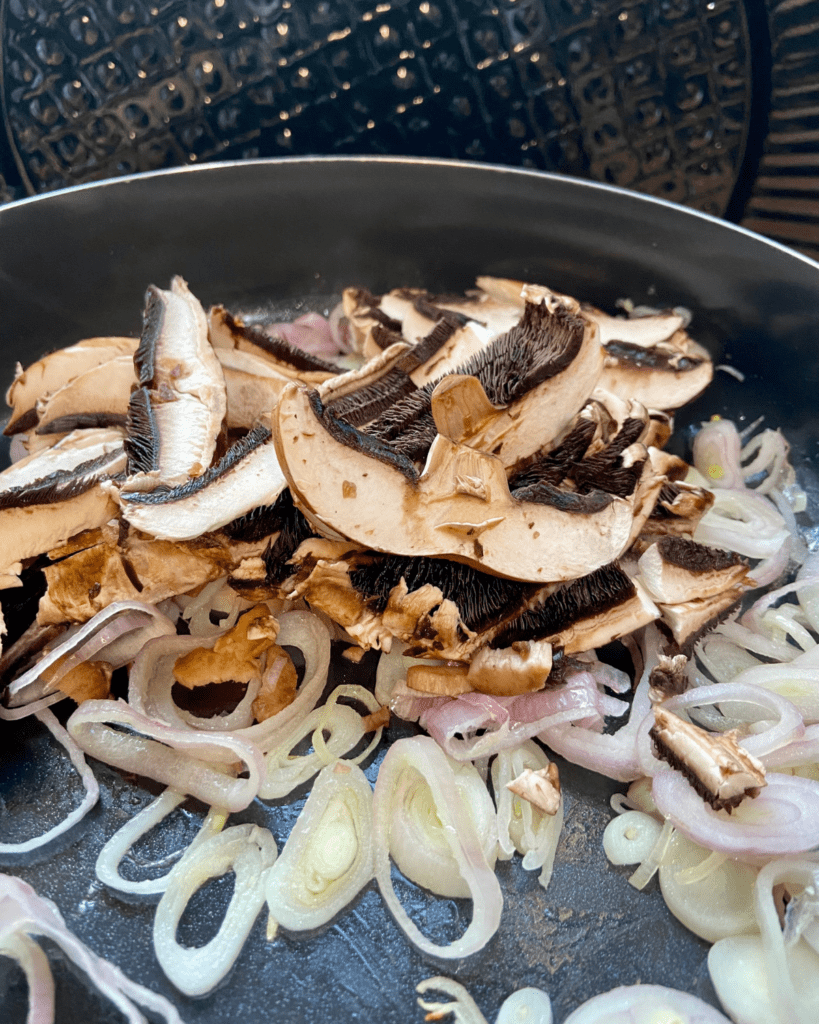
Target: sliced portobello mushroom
pixel 176 415
pixel 99 397
pixel 652 358
pixel 583 614
pixel 230 332
pixel 441 608
pixel 247 476
pixel 522 668
pixel 40 380
pixel 718 768
pixel 536 376
pixel 677 511
pixel 460 506
pixel 504 289
pixel 676 570
pixel 49 497
pixel 687 621
pixel 136 568
pixel 252 385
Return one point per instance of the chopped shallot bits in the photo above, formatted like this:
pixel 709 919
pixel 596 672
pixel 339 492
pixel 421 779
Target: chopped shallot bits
pixel 235 656
pixel 541 788
pixel 716 766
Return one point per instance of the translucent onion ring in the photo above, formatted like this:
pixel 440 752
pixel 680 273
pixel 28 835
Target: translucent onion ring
pixel 92 789
pixel 249 851
pixel 111 855
pixel 422 754
pixel 788 727
pixel 23 912
pixel 194 763
pixel 101 635
pixel 299 892
pixel 284 772
pixel 151 680
pixel 632 1004
pixel 783 819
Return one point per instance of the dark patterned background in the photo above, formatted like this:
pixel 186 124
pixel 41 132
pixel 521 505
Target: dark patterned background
pixel 673 97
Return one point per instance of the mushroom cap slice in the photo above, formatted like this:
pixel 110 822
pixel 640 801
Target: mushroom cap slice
pixel 47 498
pixel 99 397
pixel 247 476
pixel 675 570
pixel 663 377
pixel 537 376
pixel 460 507
pixel 584 613
pixel 689 620
pixel 53 371
pixel 229 332
pixel 139 569
pixel 253 386
pixel 176 414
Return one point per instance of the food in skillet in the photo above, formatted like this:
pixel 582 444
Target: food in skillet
pixel 492 505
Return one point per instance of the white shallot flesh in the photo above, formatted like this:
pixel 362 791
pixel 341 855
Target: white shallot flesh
pixel 710 893
pixel 328 856
pixel 526 1006
pixel 284 771
pixel 24 914
pixel 418 841
pixel 194 763
pixel 247 850
pixel 114 635
pixel 783 819
pixel 645 1004
pixel 422 755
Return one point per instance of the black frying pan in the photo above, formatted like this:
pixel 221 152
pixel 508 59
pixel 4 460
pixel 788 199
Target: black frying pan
pixel 293 233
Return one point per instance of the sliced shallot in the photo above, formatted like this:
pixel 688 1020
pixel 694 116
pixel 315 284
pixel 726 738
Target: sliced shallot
pixel 111 855
pixel 784 818
pixel 92 789
pixel 191 762
pixel 328 856
pixel 248 851
pixel 405 758
pixel 521 825
pixel 24 913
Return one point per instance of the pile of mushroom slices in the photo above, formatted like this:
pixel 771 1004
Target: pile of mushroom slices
pixel 483 499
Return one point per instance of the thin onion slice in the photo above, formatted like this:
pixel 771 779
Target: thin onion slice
pixel 418 841
pixel 101 638
pixel 715 904
pixel 630 837
pixel 39 978
pixel 328 857
pixel 285 771
pixel 739 972
pixel 196 764
pixel 422 754
pixel 151 681
pixel 90 784
pixel 23 912
pixel 526 1006
pixel 783 819
pixel 249 851
pixel 111 855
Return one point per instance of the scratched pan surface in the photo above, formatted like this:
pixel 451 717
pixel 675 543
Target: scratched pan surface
pixel 289 235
